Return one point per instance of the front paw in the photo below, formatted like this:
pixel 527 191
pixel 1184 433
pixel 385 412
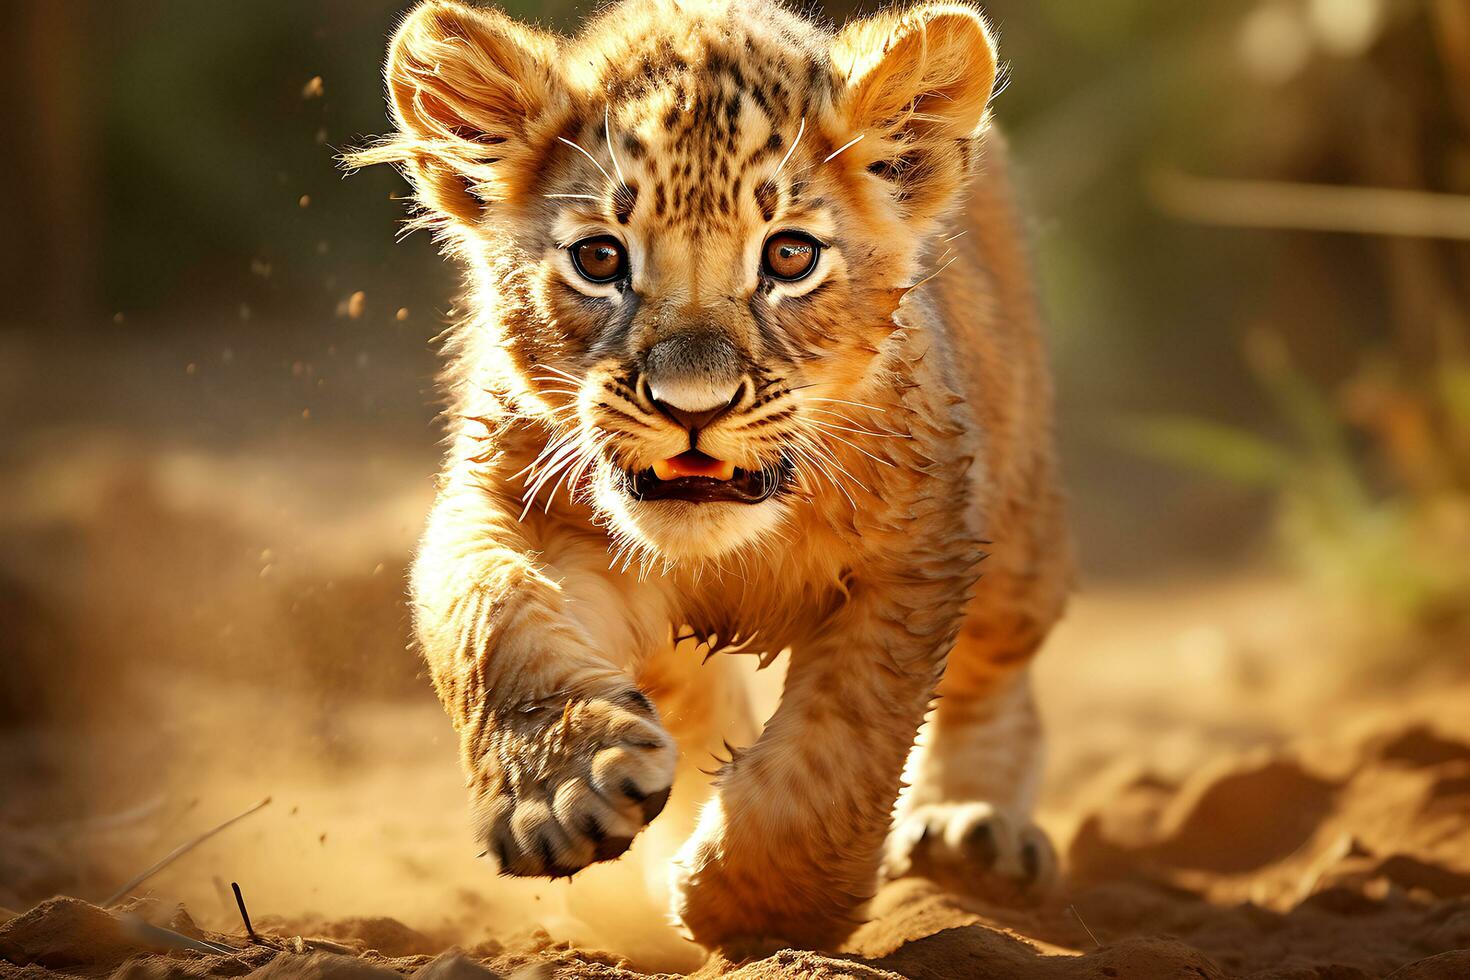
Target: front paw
pixel 565 788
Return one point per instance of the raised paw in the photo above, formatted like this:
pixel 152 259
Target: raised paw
pixel 973 847
pixel 560 790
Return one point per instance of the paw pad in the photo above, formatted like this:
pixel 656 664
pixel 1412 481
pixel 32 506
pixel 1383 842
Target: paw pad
pixel 555 813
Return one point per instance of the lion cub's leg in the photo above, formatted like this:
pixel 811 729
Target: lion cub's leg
pixel 788 849
pixel 704 705
pixel 531 645
pixel 974 772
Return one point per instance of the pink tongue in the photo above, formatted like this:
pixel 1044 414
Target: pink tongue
pixel 693 463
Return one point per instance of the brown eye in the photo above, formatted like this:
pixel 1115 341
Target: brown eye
pixel 790 256
pixel 600 259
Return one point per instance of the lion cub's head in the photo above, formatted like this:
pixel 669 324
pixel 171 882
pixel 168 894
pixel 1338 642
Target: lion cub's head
pixel 688 231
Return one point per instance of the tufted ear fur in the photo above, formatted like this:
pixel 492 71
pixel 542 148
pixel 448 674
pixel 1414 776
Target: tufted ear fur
pixel 472 92
pixel 918 80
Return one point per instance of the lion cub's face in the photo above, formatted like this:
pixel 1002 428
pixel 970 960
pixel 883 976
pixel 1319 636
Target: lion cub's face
pixel 691 229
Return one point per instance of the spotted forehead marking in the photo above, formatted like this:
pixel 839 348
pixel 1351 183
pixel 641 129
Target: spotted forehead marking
pixel 706 114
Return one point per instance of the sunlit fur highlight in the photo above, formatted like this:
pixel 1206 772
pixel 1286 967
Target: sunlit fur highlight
pixel 904 384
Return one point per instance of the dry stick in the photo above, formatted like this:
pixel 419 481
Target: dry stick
pixel 135 926
pixel 240 901
pixel 1083 924
pixel 177 853
pixel 1312 207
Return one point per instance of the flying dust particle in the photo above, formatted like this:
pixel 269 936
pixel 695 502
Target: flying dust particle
pixel 402 314
pixel 356 304
pixel 313 89
pixel 304 201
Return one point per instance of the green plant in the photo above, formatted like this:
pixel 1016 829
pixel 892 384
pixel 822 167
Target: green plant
pixel 1371 496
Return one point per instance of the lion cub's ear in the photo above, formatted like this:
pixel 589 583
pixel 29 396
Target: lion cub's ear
pixel 471 90
pixel 919 80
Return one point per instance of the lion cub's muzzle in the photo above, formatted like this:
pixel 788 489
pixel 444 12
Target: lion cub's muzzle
pixel 696 380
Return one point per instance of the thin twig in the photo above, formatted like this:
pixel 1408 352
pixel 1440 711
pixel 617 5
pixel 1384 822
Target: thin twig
pixel 177 853
pixel 1311 207
pixel 1083 924
pixel 240 901
pixel 134 925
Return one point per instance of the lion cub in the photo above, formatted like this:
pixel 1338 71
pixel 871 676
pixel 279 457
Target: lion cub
pixel 711 383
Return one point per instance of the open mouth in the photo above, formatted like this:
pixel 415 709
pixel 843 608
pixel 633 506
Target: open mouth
pixel 700 479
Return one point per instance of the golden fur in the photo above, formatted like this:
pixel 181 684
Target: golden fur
pixel 902 389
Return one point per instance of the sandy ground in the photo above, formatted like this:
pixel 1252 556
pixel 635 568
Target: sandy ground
pixel 1243 781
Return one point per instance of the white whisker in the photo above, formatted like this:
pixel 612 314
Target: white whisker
pixel 809 451
pixel 579 197
pixel 844 401
pixel 607 135
pixel 859 427
pixel 794 143
pixel 552 446
pixel 588 156
pixel 564 457
pixel 558 371
pixel 831 156
pixel 847 442
pixel 861 432
pixel 565 473
pixel 547 474
pixel 825 452
pixel 593 451
pixel 933 274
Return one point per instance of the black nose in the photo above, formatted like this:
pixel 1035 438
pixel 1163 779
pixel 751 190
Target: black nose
pixel 694 421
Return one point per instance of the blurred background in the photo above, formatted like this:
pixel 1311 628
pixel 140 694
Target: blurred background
pixel 1252 228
